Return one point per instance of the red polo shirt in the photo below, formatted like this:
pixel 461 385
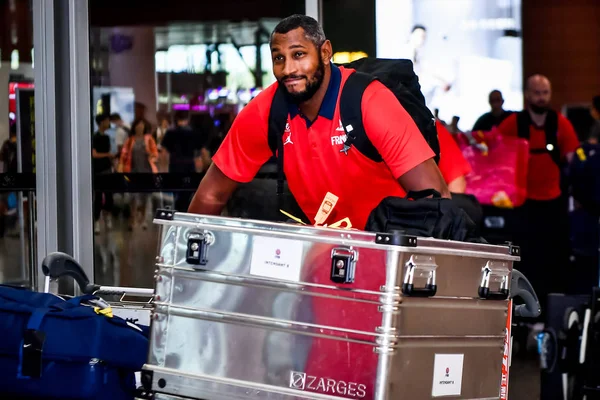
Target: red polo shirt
pixel 452 163
pixel 543 176
pixel 313 162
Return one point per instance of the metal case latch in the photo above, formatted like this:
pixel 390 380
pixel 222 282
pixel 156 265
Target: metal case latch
pixel 197 248
pixel 343 264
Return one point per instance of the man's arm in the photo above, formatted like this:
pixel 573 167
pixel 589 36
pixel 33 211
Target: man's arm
pixel 213 193
pixel 95 154
pixel 402 146
pixel 426 175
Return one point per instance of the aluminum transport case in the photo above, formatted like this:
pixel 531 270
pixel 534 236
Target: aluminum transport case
pixel 252 309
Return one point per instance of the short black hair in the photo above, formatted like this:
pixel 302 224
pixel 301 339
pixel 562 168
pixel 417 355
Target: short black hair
pixel 596 103
pixel 182 115
pixel 101 117
pixel 418 26
pixel 115 116
pixel 312 29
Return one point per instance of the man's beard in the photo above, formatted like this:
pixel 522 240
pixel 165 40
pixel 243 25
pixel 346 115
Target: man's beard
pixel 311 86
pixel 539 110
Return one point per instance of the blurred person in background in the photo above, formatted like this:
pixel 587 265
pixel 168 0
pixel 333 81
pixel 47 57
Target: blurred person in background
pixel 182 147
pixel 122 131
pixel 102 164
pixel 495 117
pixel 162 127
pixel 8 153
pixel 139 156
pixel 544 231
pixel 8 157
pixel 453 165
pixel 159 134
pixel 594 136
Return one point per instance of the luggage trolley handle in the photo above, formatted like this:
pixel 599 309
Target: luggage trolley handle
pixel 521 288
pixel 487 273
pixel 58 264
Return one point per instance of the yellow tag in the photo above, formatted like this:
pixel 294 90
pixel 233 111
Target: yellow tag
pixel 107 312
pixel 287 214
pixel 581 154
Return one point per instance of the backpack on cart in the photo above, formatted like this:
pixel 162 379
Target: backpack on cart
pixel 396 75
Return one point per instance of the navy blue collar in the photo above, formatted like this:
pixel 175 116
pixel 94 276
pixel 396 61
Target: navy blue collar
pixel 329 101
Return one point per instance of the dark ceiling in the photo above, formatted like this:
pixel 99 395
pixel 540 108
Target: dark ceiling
pixel 109 13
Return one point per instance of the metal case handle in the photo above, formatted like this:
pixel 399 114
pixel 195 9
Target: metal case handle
pixel 427 265
pixel 494 270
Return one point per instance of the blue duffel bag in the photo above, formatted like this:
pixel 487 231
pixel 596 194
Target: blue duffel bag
pixel 51 348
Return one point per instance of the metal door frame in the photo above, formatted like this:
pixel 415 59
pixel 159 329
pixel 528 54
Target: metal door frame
pixel 63 131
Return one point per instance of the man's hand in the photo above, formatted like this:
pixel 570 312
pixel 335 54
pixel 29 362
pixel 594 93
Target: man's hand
pixel 425 176
pixel 213 193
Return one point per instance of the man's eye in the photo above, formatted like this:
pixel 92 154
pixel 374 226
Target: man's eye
pixel 277 58
pixel 299 54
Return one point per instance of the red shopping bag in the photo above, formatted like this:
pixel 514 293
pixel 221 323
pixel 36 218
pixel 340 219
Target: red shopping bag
pixel 499 164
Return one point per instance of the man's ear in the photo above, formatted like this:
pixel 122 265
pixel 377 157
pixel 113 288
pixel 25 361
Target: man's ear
pixel 326 52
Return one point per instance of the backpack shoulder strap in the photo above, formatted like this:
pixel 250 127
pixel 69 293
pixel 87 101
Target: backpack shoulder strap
pixel 523 123
pixel 277 119
pixel 351 115
pixel 551 131
pixel 278 115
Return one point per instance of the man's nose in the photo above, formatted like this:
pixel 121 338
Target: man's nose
pixel 289 68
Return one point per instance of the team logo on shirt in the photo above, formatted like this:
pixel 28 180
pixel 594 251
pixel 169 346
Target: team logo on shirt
pixel 287 135
pixel 340 127
pixel 337 140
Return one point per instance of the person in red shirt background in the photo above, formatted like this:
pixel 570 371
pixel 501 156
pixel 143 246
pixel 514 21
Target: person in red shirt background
pixel 544 231
pixel 453 165
pixel 314 137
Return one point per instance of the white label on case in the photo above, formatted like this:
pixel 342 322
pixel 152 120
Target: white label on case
pixel 447 374
pixel 276 258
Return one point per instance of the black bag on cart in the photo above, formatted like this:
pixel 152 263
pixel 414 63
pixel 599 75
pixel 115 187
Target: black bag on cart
pixel 418 215
pixel 52 348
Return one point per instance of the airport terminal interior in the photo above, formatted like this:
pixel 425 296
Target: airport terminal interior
pixel 111 110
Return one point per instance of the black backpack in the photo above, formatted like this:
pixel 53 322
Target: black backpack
pixel 397 75
pixel 550 129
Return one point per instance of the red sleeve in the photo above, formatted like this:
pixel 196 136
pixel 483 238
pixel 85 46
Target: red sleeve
pixel 245 147
pixel 392 131
pixel 452 162
pixel 568 141
pixel 508 127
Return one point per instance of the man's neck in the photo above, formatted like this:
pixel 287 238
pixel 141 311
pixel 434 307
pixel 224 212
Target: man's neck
pixel 538 119
pixel 310 108
pixel 497 113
